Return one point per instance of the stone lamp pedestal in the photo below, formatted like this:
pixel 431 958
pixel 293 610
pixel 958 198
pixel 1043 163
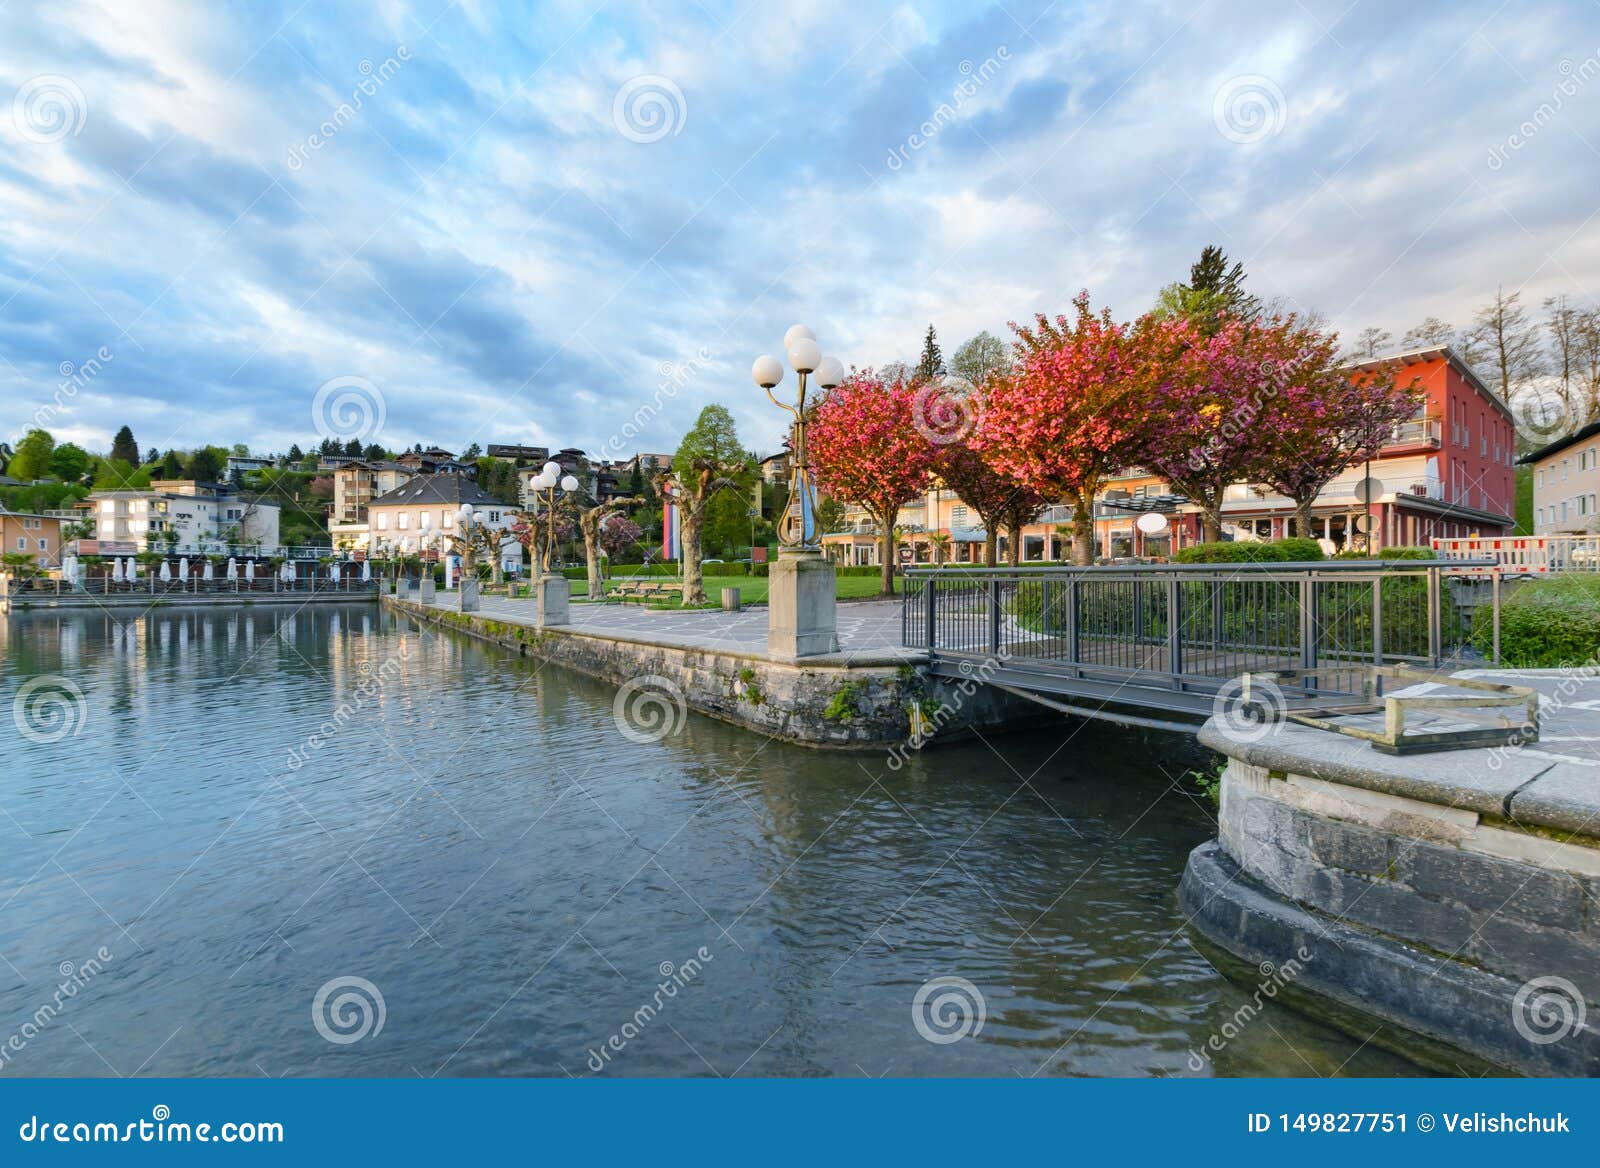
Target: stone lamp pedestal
pixel 802 603
pixel 467 600
pixel 553 593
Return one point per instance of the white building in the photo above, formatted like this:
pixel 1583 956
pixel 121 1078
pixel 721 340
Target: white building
pixel 181 516
pixel 1566 484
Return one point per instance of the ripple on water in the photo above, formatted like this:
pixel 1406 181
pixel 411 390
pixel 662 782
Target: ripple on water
pixel 261 802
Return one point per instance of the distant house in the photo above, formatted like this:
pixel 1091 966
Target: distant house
pixel 1566 484
pixel 539 454
pixel 38 536
pixel 355 486
pixel 238 464
pixel 418 516
pixel 182 516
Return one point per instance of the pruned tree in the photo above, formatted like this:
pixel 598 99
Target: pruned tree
pixel 709 459
pixel 591 522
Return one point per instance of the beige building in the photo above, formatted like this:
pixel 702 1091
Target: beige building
pixel 1566 484
pixel 36 536
pixel 355 485
pixel 418 517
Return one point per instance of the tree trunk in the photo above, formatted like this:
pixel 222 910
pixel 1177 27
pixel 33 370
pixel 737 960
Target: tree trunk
pixel 1302 518
pixel 886 555
pixel 1014 546
pixel 1211 521
pixel 693 518
pixel 591 551
pixel 990 536
pixel 1082 529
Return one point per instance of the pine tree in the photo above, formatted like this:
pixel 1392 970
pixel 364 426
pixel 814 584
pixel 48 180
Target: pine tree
pixel 124 447
pixel 1211 273
pixel 295 453
pixel 932 363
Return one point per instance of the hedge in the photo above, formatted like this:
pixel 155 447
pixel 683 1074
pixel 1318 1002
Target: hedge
pixel 1544 624
pixel 1281 551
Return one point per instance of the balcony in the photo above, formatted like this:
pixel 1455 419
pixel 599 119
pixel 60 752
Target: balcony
pixel 1422 432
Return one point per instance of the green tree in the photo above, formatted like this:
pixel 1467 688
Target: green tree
pixel 70 462
pixel 931 364
pixel 1214 289
pixel 123 447
pixel 116 474
pixel 204 465
pixel 980 358
pixel 708 459
pixel 32 459
pixel 171 465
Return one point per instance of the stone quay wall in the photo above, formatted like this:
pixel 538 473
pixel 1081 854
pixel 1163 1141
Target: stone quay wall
pixel 1453 898
pixel 882 700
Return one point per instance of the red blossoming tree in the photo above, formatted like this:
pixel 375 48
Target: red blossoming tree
pixel 865 446
pixel 1218 416
pixel 1074 409
pixel 1336 416
pixel 1003 503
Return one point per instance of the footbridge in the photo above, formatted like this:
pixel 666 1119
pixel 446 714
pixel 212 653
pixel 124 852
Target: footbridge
pixel 1164 644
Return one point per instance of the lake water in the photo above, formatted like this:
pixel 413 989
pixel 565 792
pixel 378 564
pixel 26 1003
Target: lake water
pixel 258 834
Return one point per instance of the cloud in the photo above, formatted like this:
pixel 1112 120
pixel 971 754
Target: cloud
pixel 479 239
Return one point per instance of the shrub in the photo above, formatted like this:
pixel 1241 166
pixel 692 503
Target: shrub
pixel 1243 552
pixel 1394 553
pixel 1544 624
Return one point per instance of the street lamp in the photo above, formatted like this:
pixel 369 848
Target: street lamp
pixel 546 483
pixel 802 592
pixel 798 528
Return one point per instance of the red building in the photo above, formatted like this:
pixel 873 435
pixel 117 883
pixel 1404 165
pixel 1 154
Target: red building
pixel 1445 473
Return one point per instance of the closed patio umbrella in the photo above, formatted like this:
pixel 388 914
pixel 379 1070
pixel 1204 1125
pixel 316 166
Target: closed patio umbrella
pixel 233 570
pixel 366 571
pixel 166 572
pixel 183 569
pixel 208 573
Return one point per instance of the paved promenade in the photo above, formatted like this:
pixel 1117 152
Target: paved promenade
pixel 869 630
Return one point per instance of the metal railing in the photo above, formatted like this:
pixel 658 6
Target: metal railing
pixel 1184 627
pixel 155 586
pixel 1520 555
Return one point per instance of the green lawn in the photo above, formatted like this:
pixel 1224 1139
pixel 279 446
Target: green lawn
pixel 752 589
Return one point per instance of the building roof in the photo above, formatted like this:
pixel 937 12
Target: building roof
pixel 1560 444
pixel 437 488
pixel 1435 353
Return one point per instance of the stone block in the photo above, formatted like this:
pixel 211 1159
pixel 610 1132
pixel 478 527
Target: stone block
pixel 1484 882
pixel 802 602
pixel 1522 952
pixel 1348 845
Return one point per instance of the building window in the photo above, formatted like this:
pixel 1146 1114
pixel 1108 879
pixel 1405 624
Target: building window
pixel 958 517
pixel 402 521
pixel 383 521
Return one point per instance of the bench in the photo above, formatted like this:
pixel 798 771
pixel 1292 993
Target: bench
pixel 643 591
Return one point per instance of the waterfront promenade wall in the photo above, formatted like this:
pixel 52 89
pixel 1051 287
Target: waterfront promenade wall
pixel 872 699
pixel 1446 904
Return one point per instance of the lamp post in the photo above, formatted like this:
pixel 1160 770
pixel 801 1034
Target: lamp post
pixel 802 591
pixel 467 597
pixel 552 589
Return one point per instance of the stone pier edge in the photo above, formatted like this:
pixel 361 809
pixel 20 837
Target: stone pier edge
pixel 839 701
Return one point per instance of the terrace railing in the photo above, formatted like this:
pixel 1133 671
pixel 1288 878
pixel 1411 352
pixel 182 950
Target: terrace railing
pixel 1184 629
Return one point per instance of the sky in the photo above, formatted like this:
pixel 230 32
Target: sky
pixel 570 224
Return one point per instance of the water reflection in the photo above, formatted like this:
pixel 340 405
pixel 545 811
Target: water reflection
pixel 259 802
